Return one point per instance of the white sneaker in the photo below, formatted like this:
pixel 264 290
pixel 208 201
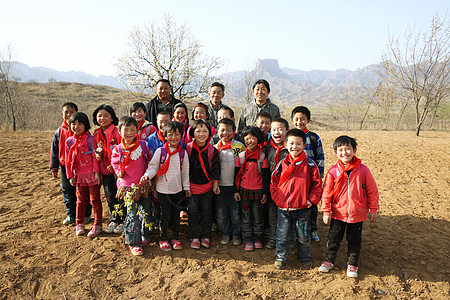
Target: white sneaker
pixel 352 271
pixel 325 267
pixel 118 229
pixel 110 227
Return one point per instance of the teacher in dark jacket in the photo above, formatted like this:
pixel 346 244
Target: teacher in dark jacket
pixel 164 101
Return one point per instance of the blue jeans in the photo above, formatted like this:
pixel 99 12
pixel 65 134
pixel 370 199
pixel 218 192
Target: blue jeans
pixel 135 229
pixel 70 197
pixel 297 220
pixel 199 205
pixel 227 212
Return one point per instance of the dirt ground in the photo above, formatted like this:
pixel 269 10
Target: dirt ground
pixel 405 254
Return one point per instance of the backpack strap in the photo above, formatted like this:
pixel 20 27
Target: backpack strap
pixel 69 142
pixel 144 149
pixel 163 156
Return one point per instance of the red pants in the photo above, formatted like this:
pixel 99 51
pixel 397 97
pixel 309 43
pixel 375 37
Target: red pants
pixel 84 193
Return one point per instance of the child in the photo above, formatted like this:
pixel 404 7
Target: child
pixel 57 160
pixel 83 171
pixel 138 112
pixel 129 160
pixel 349 193
pixel 263 121
pixel 276 152
pixel 157 140
pixel 227 210
pixel 252 187
pixel 204 174
pixel 200 112
pixel 180 115
pixel 296 185
pixel 105 139
pixel 170 164
pixel 225 112
pixel 314 150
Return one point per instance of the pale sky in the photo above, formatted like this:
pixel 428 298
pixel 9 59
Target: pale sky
pixel 88 35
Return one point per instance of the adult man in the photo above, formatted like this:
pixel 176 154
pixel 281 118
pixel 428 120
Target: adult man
pixel 216 93
pixel 164 101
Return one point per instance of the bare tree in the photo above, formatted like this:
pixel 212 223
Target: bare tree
pixel 168 51
pixel 8 87
pixel 419 64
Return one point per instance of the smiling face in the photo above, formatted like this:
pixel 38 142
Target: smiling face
pixel 345 153
pixel 201 135
pixel 173 138
pixel 199 113
pixel 225 132
pixel 251 142
pixel 163 91
pixel 162 120
pixel 77 127
pixel 295 145
pixel 300 121
pixel 104 118
pixel 139 114
pixel 215 95
pixel 260 93
pixel 222 114
pixel 179 115
pixel 128 133
pixel 264 124
pixel 278 131
pixel 67 112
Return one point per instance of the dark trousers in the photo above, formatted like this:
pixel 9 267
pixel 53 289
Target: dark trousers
pixel 84 194
pixel 70 197
pixel 252 219
pixel 135 223
pixel 313 218
pixel 110 188
pixel 170 214
pixel 335 236
pixel 273 218
pixel 228 212
pixel 199 205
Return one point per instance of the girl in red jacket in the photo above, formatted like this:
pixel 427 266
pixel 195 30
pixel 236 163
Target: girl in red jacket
pixel 349 193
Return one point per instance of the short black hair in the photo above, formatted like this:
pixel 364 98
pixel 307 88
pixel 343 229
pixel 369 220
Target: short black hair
pixel 262 81
pixel 283 121
pixel 255 131
pixel 81 117
pixel 165 112
pixel 172 126
pixel 203 105
pixel 264 114
pixel 163 80
pixel 199 123
pixel 344 140
pixel 227 122
pixel 301 109
pixel 218 84
pixel 136 105
pixel 127 121
pixel 71 105
pixel 296 132
pixel 109 109
pixel 230 110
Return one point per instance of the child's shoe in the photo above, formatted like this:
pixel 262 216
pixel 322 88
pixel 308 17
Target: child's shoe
pixel 258 245
pixel 183 214
pixel 195 243
pixel 206 243
pixel 325 267
pixel 279 265
pixel 165 246
pixel 110 227
pixel 236 240
pixel 144 242
pixel 136 251
pixel 352 271
pixel 271 244
pixel 225 240
pixel 79 229
pixel 176 244
pixel 118 229
pixel 68 221
pixel 95 231
pixel 249 247
pixel 314 236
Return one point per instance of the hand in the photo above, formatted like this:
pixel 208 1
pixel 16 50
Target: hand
pixel 264 199
pixel 98 156
pixel 237 197
pixel 98 177
pixel 308 203
pixel 120 175
pixel 188 193
pixel 143 179
pixel 72 181
pixel 327 219
pixel 55 173
pixel 110 169
pixel 372 217
pixel 216 188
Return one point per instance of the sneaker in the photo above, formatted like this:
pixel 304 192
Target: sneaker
pixel 225 240
pixel 110 227
pixel 249 247
pixel 206 243
pixel 165 246
pixel 195 243
pixel 352 271
pixel 68 221
pixel 87 219
pixel 183 214
pixel 176 244
pixel 144 242
pixel 136 251
pixel 271 244
pixel 325 267
pixel 79 229
pixel 236 240
pixel 95 231
pixel 307 264
pixel 279 265
pixel 314 236
pixel 258 245
pixel 118 229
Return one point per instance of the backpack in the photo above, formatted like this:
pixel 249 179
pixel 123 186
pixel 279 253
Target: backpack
pixel 258 162
pixel 163 156
pixel 89 141
pixel 144 150
pixel 210 152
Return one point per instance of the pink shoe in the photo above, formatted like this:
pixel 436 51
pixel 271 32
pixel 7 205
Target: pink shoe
pixel 136 251
pixel 144 242
pixel 95 231
pixel 206 243
pixel 165 246
pixel 195 243
pixel 79 229
pixel 176 244
pixel 249 247
pixel 258 245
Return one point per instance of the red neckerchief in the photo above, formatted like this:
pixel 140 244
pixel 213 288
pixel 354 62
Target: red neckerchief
pixel 287 173
pixel 165 166
pixel 160 137
pixel 76 143
pixel 140 126
pixel 126 152
pixel 342 169
pixel 278 150
pixel 254 154
pixel 66 126
pixel 305 130
pixel 106 138
pixel 202 164
pixel 263 144
pixel 223 146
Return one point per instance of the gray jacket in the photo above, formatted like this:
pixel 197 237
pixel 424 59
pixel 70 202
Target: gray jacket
pixel 249 112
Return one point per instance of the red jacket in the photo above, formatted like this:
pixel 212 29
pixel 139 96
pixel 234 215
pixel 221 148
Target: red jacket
pixel 113 138
pixel 355 199
pixel 305 184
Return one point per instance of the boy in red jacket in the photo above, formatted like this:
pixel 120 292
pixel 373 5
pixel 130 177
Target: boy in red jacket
pixel 296 185
pixel 349 193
